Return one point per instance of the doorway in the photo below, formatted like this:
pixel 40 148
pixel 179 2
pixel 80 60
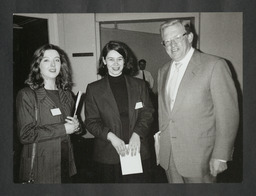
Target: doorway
pixel 28 34
pixel 144 39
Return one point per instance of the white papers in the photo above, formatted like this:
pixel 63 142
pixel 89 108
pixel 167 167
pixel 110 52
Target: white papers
pixel 131 164
pixel 138 105
pixel 157 146
pixel 55 111
pixel 77 101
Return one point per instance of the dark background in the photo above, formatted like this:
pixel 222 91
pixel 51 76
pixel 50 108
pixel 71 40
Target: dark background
pixel 7 187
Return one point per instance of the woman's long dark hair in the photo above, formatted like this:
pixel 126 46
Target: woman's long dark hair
pixel 63 80
pixel 130 60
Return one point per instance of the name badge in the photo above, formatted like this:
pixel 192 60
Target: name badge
pixel 55 111
pixel 138 105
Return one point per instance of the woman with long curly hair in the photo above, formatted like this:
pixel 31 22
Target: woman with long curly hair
pixel 44 111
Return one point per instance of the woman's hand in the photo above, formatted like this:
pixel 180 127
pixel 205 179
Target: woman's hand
pixel 134 144
pixel 72 124
pixel 118 144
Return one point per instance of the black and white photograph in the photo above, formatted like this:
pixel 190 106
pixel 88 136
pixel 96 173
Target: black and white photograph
pixel 170 125
pixel 127 98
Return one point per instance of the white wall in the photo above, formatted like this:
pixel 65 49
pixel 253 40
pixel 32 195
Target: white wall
pixel 79 37
pixel 221 34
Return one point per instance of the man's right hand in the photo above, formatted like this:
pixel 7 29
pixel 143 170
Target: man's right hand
pixel 217 166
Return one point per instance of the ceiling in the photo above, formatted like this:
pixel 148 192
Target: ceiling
pixel 21 21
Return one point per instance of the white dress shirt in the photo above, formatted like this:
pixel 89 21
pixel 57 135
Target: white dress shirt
pixel 171 89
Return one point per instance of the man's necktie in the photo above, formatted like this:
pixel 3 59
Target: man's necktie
pixel 143 76
pixel 173 83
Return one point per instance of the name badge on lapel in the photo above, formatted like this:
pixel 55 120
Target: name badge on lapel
pixel 138 105
pixel 55 111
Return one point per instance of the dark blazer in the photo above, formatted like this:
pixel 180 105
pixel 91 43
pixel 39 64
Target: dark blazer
pixel 204 120
pixel 47 132
pixel 102 116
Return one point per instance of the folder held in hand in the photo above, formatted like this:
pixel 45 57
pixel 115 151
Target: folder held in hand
pixel 77 101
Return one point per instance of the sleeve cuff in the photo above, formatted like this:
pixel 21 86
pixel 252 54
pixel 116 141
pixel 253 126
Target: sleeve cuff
pixel 224 161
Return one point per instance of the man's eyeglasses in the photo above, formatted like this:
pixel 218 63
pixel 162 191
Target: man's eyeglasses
pixel 176 40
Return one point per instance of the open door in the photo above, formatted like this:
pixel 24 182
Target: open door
pixel 28 34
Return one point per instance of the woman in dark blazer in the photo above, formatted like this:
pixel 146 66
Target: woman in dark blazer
pixel 49 84
pixel 118 111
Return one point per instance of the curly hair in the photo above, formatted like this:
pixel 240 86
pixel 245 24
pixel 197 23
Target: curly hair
pixel 63 80
pixel 130 60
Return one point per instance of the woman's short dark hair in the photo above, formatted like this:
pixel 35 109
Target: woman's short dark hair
pixel 130 60
pixel 63 80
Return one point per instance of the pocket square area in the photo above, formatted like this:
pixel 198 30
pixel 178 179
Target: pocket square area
pixel 138 105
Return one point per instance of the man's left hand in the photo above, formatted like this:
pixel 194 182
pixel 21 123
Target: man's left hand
pixel 217 166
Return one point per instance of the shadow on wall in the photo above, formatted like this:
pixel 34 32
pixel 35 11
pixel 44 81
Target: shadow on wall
pixel 234 173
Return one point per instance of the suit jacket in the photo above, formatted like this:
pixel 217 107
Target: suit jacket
pixel 47 132
pixel 102 116
pixel 204 120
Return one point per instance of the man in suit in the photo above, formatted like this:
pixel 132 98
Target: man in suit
pixel 198 110
pixel 144 74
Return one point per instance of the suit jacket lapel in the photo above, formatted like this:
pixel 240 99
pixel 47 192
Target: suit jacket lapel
pixel 108 95
pixel 64 101
pixel 166 75
pixel 191 71
pixel 131 97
